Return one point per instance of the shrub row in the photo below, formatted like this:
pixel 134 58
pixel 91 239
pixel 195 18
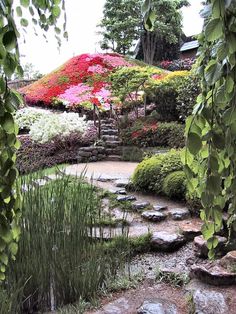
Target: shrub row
pixel 161 174
pixel 152 134
pixel 176 65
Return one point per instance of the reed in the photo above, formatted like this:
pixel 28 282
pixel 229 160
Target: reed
pixel 58 261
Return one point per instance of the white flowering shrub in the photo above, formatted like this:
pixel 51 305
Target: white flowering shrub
pixel 50 126
pixel 27 116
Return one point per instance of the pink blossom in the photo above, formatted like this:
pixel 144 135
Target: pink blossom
pixel 97 69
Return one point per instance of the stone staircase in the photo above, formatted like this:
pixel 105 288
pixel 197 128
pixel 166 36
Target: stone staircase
pixel 110 136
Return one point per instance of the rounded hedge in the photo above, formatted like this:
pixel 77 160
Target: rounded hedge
pixel 174 185
pixel 151 172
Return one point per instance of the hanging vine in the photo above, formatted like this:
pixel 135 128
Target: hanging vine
pixel 45 14
pixel 210 156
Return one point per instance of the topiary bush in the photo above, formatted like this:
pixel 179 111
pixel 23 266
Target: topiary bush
pixel 174 185
pixel 151 172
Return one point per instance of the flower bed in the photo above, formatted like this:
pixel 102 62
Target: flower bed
pixel 80 82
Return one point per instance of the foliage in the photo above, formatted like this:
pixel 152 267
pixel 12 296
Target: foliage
pixel 128 84
pixel 177 65
pixel 151 172
pixel 48 127
pixel 56 241
pixel 187 90
pixel 33 156
pixel 29 73
pixel 132 153
pixel 80 82
pixel 165 32
pixel 210 155
pixel 48 13
pixel 121 24
pixel 163 91
pixel 174 185
pixel 152 134
pixel 27 116
pixel 172 277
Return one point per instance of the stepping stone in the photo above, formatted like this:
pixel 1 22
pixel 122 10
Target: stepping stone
pixel 179 213
pixel 154 215
pixel 140 205
pixel 229 261
pixel 157 306
pixel 119 306
pixel 213 274
pixel 209 302
pixel 123 198
pixel 117 213
pixel 122 183
pixel 121 192
pixel 201 250
pixel 190 229
pixel 160 208
pixel 164 241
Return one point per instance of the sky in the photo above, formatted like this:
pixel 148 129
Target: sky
pixel 82 20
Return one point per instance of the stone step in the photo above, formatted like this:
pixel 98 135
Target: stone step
pixel 107 121
pixel 114 151
pixel 108 126
pixel 110 138
pixel 109 132
pixel 114 158
pixel 113 143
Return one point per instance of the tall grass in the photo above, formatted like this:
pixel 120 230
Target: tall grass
pixel 58 260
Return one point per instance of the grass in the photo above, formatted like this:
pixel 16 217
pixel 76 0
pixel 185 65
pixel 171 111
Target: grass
pixel 58 260
pixel 171 277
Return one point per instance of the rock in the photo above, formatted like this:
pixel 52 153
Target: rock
pixel 123 198
pixel 229 261
pixel 93 158
pixel 154 215
pixel 113 143
pixel 164 241
pixel 121 192
pixel 190 229
pixel 213 274
pixel 201 250
pixel 157 306
pixel 179 213
pixel 209 302
pixel 114 158
pixel 101 156
pixel 140 205
pixel 160 208
pixel 85 154
pixel 121 183
pixel 119 306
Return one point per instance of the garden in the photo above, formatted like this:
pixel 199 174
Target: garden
pixel 118 179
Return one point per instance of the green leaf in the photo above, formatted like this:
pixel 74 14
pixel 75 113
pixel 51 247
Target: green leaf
pixel 214 29
pixel 9 40
pixel 214 184
pixel 56 11
pixel 213 72
pixel 24 22
pixel 8 123
pixel 25 3
pixel 19 11
pixel 229 84
pixel 13 247
pixel 194 143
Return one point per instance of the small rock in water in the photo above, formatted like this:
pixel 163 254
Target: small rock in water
pixel 209 302
pixel 123 198
pixel 160 208
pixel 154 215
pixel 122 183
pixel 179 213
pixel 164 241
pixel 157 306
pixel 119 191
pixel 140 205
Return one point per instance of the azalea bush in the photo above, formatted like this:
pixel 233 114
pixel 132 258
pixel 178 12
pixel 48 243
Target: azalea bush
pixel 27 116
pixel 177 65
pixel 79 83
pixel 50 126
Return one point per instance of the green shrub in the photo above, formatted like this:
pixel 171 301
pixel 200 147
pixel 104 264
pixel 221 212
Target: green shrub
pixel 188 90
pixel 174 185
pixel 143 133
pixel 132 153
pixel 151 172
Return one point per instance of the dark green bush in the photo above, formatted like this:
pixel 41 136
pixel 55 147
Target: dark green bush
pixel 188 90
pixel 174 185
pixel 151 172
pixel 132 153
pixel 145 134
